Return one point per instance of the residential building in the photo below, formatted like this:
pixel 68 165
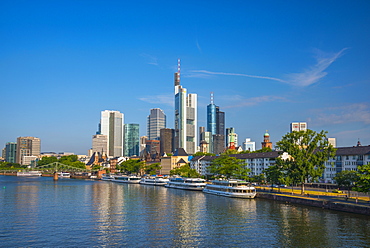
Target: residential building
pixel 249 145
pixel 298 126
pixel 27 146
pixel 11 152
pixel 156 122
pixel 132 140
pixel 111 124
pixel 185 117
pixel 167 144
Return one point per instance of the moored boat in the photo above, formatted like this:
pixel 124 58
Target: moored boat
pixel 64 174
pixel 154 180
pixel 29 173
pixel 107 177
pixel 231 188
pixel 126 179
pixel 186 183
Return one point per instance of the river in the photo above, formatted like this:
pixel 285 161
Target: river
pixel 38 212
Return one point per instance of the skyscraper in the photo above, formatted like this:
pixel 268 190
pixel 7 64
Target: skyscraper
pixel 11 152
pixel 100 143
pixel 211 117
pixel 167 141
pixel 111 124
pixel 132 140
pixel 216 126
pixel 27 146
pixel 298 126
pixel 185 117
pixel 156 121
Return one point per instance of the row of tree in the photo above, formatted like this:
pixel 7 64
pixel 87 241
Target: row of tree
pixel 71 160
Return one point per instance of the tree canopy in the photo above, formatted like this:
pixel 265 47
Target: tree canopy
pixel 132 166
pixel 229 166
pixel 363 182
pixel 308 150
pixel 152 169
pixel 184 171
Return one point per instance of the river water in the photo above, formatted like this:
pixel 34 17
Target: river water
pixel 38 212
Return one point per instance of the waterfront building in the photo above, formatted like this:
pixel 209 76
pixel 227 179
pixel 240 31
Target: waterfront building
pixel 111 124
pixel 156 122
pixel 266 141
pixel 298 126
pixel 185 117
pixel 99 143
pixel 132 140
pixel 27 146
pixel 249 145
pixel 10 152
pixel 167 136
pixel 168 163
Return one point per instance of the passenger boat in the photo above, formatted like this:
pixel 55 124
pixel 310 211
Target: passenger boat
pixel 186 183
pixel 107 177
pixel 28 173
pixel 231 188
pixel 64 174
pixel 126 179
pixel 154 180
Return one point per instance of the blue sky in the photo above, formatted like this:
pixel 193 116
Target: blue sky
pixel 268 63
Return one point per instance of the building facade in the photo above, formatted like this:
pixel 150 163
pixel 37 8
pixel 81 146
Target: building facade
pixel 185 117
pixel 27 146
pixel 298 126
pixel 132 140
pixel 100 143
pixel 249 145
pixel 11 152
pixel 156 122
pixel 112 125
pixel 266 141
pixel 167 138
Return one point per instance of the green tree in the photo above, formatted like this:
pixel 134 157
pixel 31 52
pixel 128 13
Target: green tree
pixel 132 166
pixel 274 175
pixel 185 171
pixel 346 179
pixel 152 169
pixel 230 151
pixel 46 160
pixel 197 154
pixel 308 150
pixel 363 183
pixel 229 166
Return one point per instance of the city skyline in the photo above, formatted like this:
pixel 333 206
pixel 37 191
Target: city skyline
pixel 269 64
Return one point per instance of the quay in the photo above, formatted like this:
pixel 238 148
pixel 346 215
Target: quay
pixel 324 200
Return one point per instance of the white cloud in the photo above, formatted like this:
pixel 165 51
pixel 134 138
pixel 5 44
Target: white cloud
pixel 151 60
pixel 159 99
pixel 358 112
pixel 308 77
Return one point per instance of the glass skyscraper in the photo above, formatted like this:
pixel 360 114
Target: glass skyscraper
pixel 156 122
pixel 132 140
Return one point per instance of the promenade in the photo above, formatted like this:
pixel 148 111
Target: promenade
pixel 358 202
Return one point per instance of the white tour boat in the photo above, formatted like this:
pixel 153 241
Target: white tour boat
pixel 126 179
pixel 231 188
pixel 64 174
pixel 154 180
pixel 28 173
pixel 186 183
pixel 107 177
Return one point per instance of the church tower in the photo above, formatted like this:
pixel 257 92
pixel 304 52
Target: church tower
pixel 266 141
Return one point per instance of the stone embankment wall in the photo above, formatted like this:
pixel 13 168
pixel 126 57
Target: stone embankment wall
pixel 332 205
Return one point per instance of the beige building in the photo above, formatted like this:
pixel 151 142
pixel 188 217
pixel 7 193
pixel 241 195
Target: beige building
pixel 169 163
pixel 27 146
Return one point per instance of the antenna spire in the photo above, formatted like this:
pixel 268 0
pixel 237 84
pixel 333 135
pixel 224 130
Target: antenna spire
pixel 211 97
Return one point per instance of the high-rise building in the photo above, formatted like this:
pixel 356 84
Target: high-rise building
pixel 99 143
pixel 211 117
pixel 249 145
pixel 27 146
pixel 185 117
pixel 132 140
pixel 11 152
pixel 298 126
pixel 167 136
pixel 143 140
pixel 333 142
pixel 220 121
pixel 218 143
pixel 207 137
pixel 111 124
pixel 231 137
pixel 153 147
pixel 156 121
pixel 215 125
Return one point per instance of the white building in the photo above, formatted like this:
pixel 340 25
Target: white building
pixel 100 143
pixel 249 145
pixel 112 124
pixel 298 126
pixel 185 117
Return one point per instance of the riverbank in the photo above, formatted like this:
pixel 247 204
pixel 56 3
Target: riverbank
pixel 325 202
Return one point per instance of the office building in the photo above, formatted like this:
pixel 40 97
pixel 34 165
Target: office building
pixel 143 140
pixel 99 143
pixel 298 126
pixel 231 137
pixel 111 124
pixel 10 152
pixel 208 138
pixel 132 140
pixel 156 122
pixel 218 142
pixel 27 146
pixel 185 117
pixel 333 142
pixel 167 138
